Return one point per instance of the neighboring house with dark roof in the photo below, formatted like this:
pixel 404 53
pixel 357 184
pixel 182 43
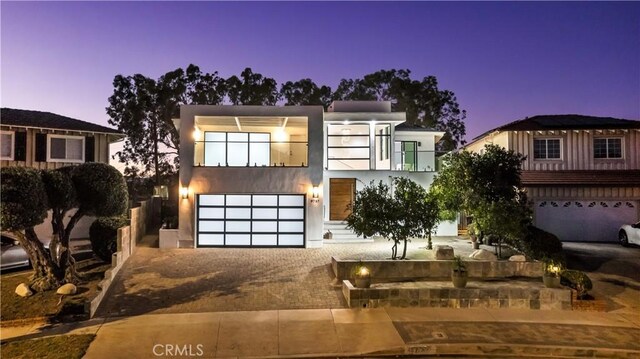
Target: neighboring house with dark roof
pixel 46 140
pixel 582 173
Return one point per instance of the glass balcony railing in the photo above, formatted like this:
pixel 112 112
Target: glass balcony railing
pixel 250 154
pixel 416 161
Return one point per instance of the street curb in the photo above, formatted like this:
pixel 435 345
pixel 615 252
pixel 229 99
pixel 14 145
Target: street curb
pixel 25 322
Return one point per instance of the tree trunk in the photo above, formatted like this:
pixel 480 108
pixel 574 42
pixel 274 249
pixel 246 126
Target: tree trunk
pixel 64 256
pixel 404 250
pixel 394 250
pixel 429 244
pixel 46 273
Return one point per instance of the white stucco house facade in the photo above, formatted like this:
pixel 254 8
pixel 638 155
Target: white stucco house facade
pixel 268 176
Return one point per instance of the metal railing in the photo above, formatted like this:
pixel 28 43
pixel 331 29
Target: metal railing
pixel 251 154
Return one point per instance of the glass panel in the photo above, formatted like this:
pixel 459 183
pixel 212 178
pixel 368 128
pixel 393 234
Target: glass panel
pixel 360 153
pixel 239 213
pixel 409 156
pixel 75 148
pixel 215 154
pixel 295 200
pixel 233 226
pixel 600 148
pixel 553 149
pixel 57 150
pixel 259 154
pixel 615 148
pixel 238 239
pixel 238 154
pixel 211 200
pixel 214 213
pixel 291 240
pixel 291 213
pixel 238 200
pixel 295 227
pixel 259 226
pixel 259 137
pixel 265 200
pixel 215 136
pixel 211 239
pixel 348 141
pixel 348 164
pixel 346 130
pixel 210 226
pixel 539 149
pixel 265 239
pixel 5 142
pixel 238 136
pixel 265 213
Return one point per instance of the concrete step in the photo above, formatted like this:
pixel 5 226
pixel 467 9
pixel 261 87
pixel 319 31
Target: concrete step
pixel 185 244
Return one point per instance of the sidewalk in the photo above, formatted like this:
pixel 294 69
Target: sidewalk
pixel 352 332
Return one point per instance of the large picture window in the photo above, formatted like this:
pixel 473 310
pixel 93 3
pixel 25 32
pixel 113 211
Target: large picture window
pixel 546 149
pixel 65 148
pixel 236 149
pixel 6 145
pixel 348 147
pixel 607 148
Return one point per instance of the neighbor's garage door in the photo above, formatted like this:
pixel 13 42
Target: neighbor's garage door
pixel 589 221
pixel 250 220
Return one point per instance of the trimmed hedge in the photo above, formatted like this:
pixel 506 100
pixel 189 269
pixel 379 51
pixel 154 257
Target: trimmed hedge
pixel 541 245
pixel 577 280
pixel 103 235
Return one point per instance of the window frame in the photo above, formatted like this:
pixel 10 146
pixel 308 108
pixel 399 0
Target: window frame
pixel 13 145
pixel 328 147
pixel 607 138
pixel 546 148
pixel 248 143
pixel 65 137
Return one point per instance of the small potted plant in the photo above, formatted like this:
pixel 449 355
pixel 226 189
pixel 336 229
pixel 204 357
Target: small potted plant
pixel 362 276
pixel 551 275
pixel 473 233
pixel 459 274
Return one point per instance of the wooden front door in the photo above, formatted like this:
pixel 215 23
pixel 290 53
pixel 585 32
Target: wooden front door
pixel 342 191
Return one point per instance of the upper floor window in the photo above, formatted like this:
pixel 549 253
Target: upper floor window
pixel 546 149
pixel 607 148
pixel 348 147
pixel 65 148
pixel 236 149
pixel 6 145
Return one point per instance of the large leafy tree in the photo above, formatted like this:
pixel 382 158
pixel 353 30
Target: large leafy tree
pixel 305 92
pixel 143 108
pixel 425 104
pixel 486 186
pixel 252 89
pixel 90 189
pixel 407 211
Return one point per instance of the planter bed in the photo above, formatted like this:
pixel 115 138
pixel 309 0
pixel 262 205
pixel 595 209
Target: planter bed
pixel 527 294
pixel 399 270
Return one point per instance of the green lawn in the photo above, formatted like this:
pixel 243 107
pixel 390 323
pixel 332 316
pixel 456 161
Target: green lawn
pixel 58 347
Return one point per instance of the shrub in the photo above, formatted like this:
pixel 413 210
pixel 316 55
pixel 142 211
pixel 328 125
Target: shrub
pixel 103 235
pixel 577 280
pixel 541 245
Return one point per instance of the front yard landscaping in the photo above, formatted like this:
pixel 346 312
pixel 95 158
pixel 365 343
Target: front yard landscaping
pixel 47 305
pixel 58 347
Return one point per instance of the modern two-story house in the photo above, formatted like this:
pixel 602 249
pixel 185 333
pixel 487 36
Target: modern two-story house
pixel 267 176
pixel 582 173
pixel 45 140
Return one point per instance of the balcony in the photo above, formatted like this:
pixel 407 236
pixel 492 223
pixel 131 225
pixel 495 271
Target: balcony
pixel 251 154
pixel 416 161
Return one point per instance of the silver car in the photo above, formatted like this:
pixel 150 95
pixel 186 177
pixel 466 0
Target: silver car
pixel 13 255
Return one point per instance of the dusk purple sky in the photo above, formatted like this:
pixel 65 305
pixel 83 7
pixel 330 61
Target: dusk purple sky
pixel 503 60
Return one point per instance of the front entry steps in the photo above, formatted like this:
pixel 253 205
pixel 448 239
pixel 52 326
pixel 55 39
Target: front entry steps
pixel 341 234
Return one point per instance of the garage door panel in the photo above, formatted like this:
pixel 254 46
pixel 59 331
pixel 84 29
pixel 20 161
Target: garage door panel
pixel 589 221
pixel 251 220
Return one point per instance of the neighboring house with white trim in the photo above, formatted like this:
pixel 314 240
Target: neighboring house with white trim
pixel 582 173
pixel 45 140
pixel 270 176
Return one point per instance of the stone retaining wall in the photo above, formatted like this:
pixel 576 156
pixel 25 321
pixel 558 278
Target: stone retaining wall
pixel 441 295
pixel 141 218
pixel 398 270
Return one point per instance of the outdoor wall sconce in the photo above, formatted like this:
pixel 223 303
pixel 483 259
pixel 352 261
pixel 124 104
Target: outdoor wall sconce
pixel 315 195
pixel 184 192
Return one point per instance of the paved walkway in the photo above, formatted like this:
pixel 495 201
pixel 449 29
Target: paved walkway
pixel 367 332
pixel 226 279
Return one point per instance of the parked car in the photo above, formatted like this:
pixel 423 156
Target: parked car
pixel 13 255
pixel 629 233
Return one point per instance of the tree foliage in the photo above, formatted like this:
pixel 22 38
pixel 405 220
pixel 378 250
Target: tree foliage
pixel 252 89
pixel 487 186
pixel 305 92
pixel 70 193
pixel 407 211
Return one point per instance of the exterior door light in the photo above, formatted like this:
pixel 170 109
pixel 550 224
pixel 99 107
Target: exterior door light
pixel 315 195
pixel 184 192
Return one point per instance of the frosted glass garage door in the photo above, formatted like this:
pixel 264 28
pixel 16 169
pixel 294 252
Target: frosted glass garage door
pixel 250 220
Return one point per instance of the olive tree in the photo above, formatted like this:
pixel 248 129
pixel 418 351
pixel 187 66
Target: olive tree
pixel 90 189
pixel 402 213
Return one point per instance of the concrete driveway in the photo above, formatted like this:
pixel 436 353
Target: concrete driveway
pixel 227 279
pixel 614 270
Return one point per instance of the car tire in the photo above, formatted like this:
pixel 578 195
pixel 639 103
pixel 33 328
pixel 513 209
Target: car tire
pixel 622 237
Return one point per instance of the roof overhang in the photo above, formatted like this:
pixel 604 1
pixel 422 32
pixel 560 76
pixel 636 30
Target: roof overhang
pixel 387 117
pixel 113 136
